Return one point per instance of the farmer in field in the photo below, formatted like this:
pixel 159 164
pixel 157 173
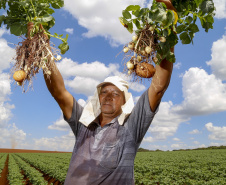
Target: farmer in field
pixel 109 129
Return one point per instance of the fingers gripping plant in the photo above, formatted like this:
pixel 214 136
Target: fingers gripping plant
pixel 157 29
pixel 31 19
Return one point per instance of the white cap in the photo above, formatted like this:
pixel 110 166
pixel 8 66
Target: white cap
pixel 92 109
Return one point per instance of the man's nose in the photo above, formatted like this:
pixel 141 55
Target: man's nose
pixel 108 96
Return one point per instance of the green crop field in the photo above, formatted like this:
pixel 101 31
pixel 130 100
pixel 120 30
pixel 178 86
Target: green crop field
pixel 195 167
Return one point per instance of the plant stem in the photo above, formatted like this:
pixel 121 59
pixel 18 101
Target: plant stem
pixel 54 36
pixel 137 44
pixel 33 8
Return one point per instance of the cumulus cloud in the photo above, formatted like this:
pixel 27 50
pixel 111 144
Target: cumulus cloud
pixel 203 93
pixel 5 91
pixel 95 70
pixel 83 78
pixel 220 8
pixel 217 133
pixel 60 124
pixel 196 142
pixel 196 131
pixel 82 102
pixel 178 146
pixel 176 139
pixel 100 18
pixel 62 143
pixel 148 139
pixel 217 63
pixel 11 135
pixel 5 88
pixel 6 55
pixel 69 30
pixel 166 122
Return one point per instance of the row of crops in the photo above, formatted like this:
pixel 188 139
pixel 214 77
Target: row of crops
pixel 201 167
pixel 32 167
pixel 195 167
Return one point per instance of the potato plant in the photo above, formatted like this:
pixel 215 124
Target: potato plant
pixel 31 20
pixel 157 30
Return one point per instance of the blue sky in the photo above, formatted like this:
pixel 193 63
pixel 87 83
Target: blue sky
pixel 192 113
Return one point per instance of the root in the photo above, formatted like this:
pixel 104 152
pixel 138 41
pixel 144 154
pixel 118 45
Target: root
pixel 145 38
pixel 32 54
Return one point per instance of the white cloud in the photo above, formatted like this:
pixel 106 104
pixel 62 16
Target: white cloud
pixel 5 108
pixel 217 63
pixel 95 70
pixel 196 142
pixel 83 78
pixel 177 65
pixel 194 132
pixel 62 143
pixel 178 146
pixel 220 8
pixel 176 139
pixel 203 94
pixel 69 30
pixel 82 102
pixel 217 133
pixel 11 135
pixel 5 88
pixel 83 85
pixel 166 122
pixel 148 139
pixel 60 124
pixel 6 55
pixel 100 18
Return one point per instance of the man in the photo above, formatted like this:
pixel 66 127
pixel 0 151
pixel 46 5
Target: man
pixel 109 129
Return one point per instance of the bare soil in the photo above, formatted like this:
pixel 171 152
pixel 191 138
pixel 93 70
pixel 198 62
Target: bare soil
pixel 3 177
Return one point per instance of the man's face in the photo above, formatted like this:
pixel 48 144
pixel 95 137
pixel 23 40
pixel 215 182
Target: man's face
pixel 111 100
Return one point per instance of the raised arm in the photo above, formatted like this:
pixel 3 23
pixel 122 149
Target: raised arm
pixel 160 82
pixel 161 79
pixel 56 87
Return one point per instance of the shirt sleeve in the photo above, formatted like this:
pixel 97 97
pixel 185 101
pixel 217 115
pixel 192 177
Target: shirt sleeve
pixel 73 121
pixel 140 118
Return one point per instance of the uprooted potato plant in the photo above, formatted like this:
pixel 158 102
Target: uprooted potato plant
pixel 158 28
pixel 35 51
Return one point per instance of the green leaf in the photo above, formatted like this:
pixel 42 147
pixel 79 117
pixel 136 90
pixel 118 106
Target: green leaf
pixel 198 2
pixel 130 27
pixel 189 19
pixel 133 8
pixel 2 17
pixel 207 6
pixel 136 13
pixel 57 5
pixel 180 28
pixel 63 47
pixel 193 27
pixel 126 14
pixel 50 11
pixel 45 18
pixel 169 19
pixel 185 39
pixel 16 29
pixel 137 23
